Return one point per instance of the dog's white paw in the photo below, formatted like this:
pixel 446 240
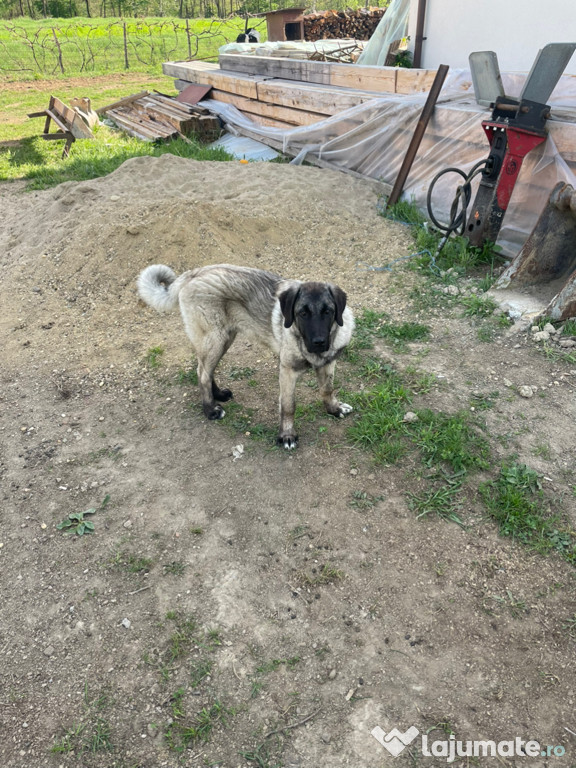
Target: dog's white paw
pixel 344 409
pixel 288 441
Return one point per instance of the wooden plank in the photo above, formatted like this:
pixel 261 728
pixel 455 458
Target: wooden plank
pixel 122 102
pixel 328 100
pixel 285 114
pixel 381 79
pixel 72 119
pixel 233 82
pixel 414 80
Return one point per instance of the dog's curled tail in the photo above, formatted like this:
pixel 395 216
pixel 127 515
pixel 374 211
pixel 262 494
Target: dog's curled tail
pixel 159 287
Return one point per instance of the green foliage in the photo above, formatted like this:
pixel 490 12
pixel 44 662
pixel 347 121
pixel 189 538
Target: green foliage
pixel 75 523
pixel 517 503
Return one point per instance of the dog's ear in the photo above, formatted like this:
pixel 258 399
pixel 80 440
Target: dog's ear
pixel 287 301
pixel 339 301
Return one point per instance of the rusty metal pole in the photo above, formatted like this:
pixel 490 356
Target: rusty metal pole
pixel 418 134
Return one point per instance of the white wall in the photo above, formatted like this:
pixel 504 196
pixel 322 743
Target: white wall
pixel 515 29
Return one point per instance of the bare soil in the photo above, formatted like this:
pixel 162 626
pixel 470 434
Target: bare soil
pixel 251 594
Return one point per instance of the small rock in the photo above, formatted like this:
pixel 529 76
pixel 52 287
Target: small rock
pixel 534 329
pixel 114 198
pixel 332 674
pixel 133 230
pixel 126 623
pixel 353 472
pixel 525 391
pixel 567 343
pixel 541 336
pixel 326 737
pixel 549 328
pixel 48 651
pixel 237 452
pixel 410 417
pixel 451 290
pixel 507 382
pixel 128 524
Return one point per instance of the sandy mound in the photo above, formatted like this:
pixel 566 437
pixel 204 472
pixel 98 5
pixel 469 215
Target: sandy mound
pixel 71 255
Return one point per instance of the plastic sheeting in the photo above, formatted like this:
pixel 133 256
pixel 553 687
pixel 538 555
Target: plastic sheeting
pixel 392 26
pixel 372 139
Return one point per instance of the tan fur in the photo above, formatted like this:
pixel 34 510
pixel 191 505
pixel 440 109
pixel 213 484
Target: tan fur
pixel 222 301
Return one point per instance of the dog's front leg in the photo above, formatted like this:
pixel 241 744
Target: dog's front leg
pixel 325 376
pixel 287 436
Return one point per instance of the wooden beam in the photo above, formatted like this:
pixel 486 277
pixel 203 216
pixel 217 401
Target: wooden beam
pixel 327 100
pixel 122 102
pixel 371 78
pixel 233 82
pixel 285 114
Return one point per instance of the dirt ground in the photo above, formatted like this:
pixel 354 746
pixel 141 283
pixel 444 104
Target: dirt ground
pixel 192 627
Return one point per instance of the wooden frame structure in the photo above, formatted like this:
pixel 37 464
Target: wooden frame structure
pixel 70 124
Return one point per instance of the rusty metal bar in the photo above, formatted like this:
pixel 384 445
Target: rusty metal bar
pixel 416 140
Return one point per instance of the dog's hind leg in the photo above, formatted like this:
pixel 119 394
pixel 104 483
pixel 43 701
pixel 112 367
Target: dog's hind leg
pixel 210 352
pixel 334 407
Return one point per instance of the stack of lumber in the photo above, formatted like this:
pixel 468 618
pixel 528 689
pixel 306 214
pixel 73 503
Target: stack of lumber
pixel 359 24
pixel 285 92
pixel 152 116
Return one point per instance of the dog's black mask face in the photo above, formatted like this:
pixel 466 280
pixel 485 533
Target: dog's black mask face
pixel 313 308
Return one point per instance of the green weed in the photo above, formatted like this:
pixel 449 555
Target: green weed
pixel 516 502
pixel 154 357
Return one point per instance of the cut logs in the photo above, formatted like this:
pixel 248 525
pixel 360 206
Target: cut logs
pixel 326 25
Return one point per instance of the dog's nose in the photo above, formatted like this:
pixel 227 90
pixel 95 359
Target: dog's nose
pixel 319 341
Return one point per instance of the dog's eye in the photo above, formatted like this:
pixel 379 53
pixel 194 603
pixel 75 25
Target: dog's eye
pixel 303 312
pixel 326 311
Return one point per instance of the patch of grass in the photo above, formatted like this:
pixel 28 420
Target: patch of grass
pixel 199 670
pixel 478 306
pixel 404 211
pixel 483 402
pixel 274 664
pixel 371 325
pixel 444 501
pixel 516 502
pixel 362 500
pixel 184 732
pixel 236 373
pixel 40 161
pixel 187 377
pixel 260 756
pixel 175 568
pixel 130 562
pixel 569 327
pixel 378 426
pixel 450 440
pixel 154 357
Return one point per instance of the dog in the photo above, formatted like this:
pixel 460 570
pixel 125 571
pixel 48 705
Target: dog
pixel 250 36
pixel 306 323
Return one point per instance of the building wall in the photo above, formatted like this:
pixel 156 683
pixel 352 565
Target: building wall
pixel 515 29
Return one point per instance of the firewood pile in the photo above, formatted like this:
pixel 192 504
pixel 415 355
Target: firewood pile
pixel 153 116
pixel 347 54
pixel 358 25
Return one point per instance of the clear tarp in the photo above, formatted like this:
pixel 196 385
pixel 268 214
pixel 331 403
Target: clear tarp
pixel 393 26
pixel 372 139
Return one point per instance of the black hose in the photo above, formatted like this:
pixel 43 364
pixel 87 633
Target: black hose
pixel 461 200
